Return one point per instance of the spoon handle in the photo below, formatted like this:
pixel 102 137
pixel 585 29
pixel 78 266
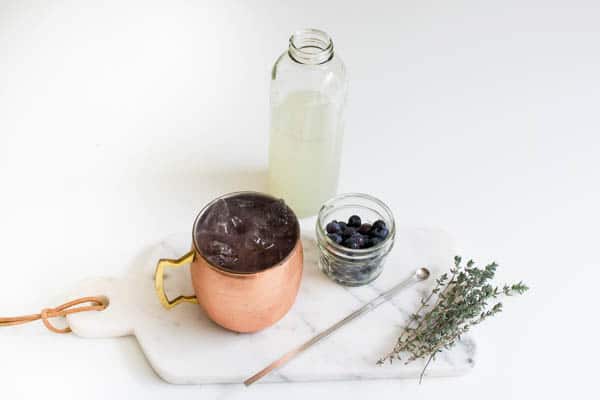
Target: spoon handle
pixel 382 298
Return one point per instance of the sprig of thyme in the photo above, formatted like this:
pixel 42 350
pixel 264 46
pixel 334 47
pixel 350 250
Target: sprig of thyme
pixel 460 300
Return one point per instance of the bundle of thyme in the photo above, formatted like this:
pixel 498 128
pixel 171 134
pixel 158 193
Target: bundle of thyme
pixel 459 300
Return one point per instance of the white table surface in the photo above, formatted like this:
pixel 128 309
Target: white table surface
pixel 119 120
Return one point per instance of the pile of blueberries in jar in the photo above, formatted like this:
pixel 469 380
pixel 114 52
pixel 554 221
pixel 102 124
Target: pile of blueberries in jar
pixel 352 251
pixel 356 235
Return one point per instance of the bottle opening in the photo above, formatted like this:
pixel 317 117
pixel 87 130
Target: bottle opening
pixel 311 46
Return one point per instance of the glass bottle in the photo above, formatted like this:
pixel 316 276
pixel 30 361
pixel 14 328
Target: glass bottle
pixel 308 94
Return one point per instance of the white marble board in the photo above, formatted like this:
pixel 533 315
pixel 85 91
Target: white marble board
pixel 185 347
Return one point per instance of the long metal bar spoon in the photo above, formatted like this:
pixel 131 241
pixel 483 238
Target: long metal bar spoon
pixel 420 274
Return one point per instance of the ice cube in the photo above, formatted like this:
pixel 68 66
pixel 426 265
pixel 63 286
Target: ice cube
pixel 218 248
pixel 222 227
pixel 217 218
pixel 223 260
pixel 221 253
pixel 238 224
pixel 258 221
pixel 255 241
pixel 278 213
pixel 244 203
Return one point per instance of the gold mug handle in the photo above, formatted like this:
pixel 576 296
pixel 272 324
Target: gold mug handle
pixel 159 281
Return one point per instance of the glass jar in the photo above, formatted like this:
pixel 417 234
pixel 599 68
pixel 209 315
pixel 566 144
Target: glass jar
pixel 353 267
pixel 308 93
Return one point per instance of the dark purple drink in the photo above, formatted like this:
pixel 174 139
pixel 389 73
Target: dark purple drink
pixel 247 232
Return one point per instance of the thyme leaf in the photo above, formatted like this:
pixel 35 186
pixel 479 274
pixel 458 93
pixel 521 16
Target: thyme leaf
pixel 459 300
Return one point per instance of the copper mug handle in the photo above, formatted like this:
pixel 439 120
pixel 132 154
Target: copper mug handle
pixel 159 280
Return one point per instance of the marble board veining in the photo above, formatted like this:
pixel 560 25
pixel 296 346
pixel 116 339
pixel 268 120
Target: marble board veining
pixel 184 347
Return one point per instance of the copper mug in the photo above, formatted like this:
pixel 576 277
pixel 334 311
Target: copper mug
pixel 238 301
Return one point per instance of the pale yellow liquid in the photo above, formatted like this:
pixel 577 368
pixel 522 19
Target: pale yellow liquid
pixel 304 152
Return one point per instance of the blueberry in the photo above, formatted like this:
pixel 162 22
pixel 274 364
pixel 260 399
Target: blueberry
pixel 364 229
pixel 374 241
pixel 335 237
pixel 354 221
pixel 366 270
pixel 380 233
pixel 333 227
pixel 348 231
pixel 360 239
pixel 379 224
pixel 342 225
pixel 351 243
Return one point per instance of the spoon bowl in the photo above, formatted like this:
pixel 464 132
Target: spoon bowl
pixel 422 273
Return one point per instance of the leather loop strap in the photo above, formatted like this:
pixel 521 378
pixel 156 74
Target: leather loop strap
pixel 96 304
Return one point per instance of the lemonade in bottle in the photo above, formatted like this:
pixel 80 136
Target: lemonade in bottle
pixel 308 93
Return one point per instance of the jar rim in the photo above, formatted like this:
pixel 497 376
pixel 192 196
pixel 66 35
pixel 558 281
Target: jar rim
pixel 302 45
pixel 329 205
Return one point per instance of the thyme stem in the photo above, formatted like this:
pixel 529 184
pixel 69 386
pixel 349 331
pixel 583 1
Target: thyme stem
pixel 461 302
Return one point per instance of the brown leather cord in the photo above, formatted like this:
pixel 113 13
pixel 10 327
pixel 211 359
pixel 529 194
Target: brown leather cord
pixel 97 304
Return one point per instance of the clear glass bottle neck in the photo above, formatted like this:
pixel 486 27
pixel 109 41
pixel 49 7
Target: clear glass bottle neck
pixel 311 47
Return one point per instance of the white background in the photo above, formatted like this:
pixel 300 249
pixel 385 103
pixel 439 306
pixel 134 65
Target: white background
pixel 119 120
